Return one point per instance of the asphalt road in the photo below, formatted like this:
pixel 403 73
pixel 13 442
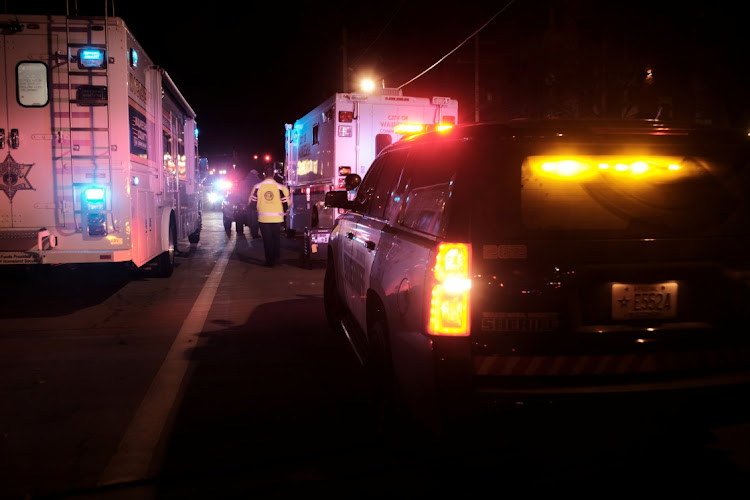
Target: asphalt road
pixel 224 381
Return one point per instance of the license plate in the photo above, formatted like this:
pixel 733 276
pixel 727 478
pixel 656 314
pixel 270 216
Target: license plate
pixel 644 301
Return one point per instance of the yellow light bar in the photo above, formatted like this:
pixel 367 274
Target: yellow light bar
pixel 444 127
pixel 449 301
pixel 579 168
pixel 408 128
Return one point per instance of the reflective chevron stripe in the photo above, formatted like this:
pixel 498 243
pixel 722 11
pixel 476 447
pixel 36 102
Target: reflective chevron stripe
pixel 607 364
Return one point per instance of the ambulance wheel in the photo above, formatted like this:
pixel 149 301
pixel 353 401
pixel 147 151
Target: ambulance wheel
pixel 165 261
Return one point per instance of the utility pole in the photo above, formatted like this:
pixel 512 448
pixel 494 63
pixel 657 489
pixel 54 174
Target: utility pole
pixel 476 78
pixel 344 63
pixel 475 60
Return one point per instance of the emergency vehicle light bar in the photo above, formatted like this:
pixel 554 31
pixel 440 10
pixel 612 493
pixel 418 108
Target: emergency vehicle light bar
pixel 579 168
pixel 409 128
pixel 415 128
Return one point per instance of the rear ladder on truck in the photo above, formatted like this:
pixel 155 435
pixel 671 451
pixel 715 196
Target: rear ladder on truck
pixel 87 88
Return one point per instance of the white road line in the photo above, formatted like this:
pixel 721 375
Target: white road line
pixel 135 453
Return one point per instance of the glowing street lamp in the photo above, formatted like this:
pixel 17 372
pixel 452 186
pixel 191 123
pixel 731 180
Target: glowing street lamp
pixel 367 85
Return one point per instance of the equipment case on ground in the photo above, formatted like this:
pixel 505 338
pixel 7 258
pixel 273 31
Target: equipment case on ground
pixel 315 245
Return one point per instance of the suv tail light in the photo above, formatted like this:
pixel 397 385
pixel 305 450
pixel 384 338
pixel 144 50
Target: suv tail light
pixel 450 290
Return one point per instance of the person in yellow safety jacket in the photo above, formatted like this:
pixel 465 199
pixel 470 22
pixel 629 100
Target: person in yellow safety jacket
pixel 271 200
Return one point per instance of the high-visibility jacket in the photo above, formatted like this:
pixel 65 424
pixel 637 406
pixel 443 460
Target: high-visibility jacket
pixel 271 200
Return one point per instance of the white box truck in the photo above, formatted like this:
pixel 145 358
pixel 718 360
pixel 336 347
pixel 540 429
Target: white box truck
pixel 98 148
pixel 343 135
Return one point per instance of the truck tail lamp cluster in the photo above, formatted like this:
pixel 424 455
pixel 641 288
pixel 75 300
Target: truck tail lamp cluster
pixel 93 200
pixel 450 291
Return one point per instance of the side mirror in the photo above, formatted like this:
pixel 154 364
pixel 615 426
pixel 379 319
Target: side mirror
pixel 337 199
pixel 352 182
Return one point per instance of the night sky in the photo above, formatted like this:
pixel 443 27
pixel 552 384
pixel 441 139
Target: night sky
pixel 247 71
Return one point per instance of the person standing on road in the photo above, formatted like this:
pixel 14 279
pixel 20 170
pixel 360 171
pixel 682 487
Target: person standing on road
pixel 271 200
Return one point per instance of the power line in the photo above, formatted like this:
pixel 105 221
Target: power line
pixel 459 45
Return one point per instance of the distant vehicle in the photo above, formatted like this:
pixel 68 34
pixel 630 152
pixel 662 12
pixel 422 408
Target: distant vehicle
pixel 547 261
pixel 235 210
pixel 342 135
pixel 235 205
pixel 98 148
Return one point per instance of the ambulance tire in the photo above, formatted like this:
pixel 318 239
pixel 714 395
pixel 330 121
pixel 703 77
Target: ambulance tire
pixel 290 233
pixel 165 261
pixel 314 218
pixel 195 237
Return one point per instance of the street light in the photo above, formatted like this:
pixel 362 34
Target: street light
pixel 367 85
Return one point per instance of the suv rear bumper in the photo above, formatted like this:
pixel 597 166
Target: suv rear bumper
pixel 457 391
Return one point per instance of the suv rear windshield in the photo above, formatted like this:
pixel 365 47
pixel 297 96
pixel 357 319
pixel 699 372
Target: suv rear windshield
pixel 616 187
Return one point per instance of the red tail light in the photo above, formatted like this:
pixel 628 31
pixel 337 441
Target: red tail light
pixel 450 291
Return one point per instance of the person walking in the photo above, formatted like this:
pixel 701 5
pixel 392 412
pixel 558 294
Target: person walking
pixel 271 200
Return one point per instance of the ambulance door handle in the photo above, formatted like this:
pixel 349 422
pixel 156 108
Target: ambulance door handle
pixel 14 138
pixel 370 245
pixel 350 236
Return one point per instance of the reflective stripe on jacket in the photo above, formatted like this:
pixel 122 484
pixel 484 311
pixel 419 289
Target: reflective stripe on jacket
pixel 271 199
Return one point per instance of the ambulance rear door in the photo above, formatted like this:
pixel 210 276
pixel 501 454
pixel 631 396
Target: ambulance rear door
pixel 26 110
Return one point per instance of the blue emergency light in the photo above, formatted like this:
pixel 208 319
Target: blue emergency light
pixel 92 58
pixel 92 200
pixel 94 194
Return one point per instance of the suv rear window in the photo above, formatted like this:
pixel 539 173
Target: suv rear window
pixel 654 187
pixel 427 182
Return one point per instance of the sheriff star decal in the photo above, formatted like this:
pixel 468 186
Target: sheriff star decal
pixel 14 176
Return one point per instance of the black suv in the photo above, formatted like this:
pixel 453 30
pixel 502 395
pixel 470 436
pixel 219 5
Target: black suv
pixel 543 261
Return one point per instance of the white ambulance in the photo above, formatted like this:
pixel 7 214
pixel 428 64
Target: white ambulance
pixel 342 136
pixel 98 148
